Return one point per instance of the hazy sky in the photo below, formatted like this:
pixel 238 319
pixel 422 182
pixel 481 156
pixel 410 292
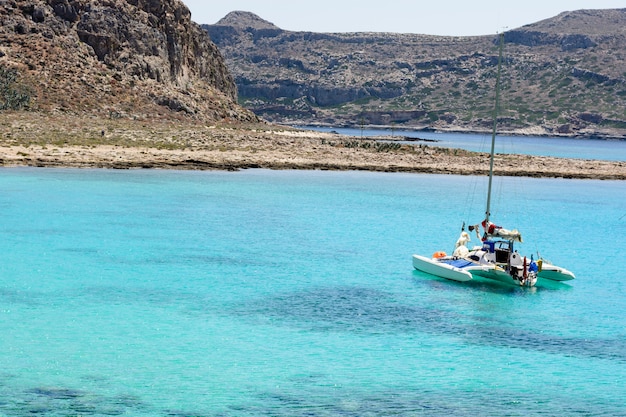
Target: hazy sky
pixel 431 17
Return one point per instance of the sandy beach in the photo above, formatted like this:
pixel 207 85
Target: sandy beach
pixel 61 140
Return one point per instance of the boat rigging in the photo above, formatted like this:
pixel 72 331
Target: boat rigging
pixel 496 259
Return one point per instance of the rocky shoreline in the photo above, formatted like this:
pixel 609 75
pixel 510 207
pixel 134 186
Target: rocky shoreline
pixel 536 131
pixel 63 140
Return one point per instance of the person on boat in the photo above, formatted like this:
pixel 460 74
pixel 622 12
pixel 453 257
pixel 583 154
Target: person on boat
pixel 494 230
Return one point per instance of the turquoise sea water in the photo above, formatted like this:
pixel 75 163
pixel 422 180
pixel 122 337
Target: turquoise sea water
pixel 291 293
pixel 562 147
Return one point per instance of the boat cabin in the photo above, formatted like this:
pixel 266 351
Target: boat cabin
pixel 501 248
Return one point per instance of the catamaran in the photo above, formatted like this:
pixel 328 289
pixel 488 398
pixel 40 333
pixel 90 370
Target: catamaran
pixel 496 259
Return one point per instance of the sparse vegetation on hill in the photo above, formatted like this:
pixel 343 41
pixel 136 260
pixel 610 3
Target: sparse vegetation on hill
pixel 561 76
pixel 13 96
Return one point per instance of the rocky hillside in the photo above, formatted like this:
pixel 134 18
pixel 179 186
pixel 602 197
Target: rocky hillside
pixel 127 58
pixel 564 75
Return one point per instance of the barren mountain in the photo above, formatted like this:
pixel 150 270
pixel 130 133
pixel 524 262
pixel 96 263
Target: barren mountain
pixel 135 58
pixel 563 75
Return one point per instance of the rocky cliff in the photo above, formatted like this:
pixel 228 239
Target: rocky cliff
pixel 122 57
pixel 563 75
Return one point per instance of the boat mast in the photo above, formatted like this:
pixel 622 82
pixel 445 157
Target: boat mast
pixel 495 124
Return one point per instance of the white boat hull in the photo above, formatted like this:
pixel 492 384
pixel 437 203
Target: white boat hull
pixel 490 272
pixel 440 269
pixel 495 273
pixel 555 273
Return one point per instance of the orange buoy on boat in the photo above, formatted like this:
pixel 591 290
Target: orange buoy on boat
pixel 439 255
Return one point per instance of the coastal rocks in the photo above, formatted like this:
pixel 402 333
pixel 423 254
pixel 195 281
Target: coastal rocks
pixel 117 55
pixel 535 38
pixel 64 9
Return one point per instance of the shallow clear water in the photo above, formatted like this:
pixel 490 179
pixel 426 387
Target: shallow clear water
pixel 291 293
pixel 562 147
